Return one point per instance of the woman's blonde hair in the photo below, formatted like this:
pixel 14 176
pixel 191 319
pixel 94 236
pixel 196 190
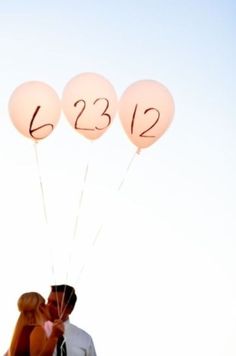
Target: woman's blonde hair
pixel 30 314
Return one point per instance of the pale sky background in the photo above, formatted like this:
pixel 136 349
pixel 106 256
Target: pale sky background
pixel 160 279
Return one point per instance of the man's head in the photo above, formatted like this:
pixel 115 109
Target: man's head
pixel 61 301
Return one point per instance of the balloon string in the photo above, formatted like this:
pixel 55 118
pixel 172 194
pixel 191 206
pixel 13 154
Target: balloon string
pixel 62 310
pixel 45 211
pixel 81 198
pixel 94 241
pixel 127 169
pixel 40 182
pixel 118 189
pixel 80 201
pixel 92 246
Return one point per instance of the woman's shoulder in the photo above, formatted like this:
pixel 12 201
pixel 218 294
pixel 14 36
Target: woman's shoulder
pixel 38 330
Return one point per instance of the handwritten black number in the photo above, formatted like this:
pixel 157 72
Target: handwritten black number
pixel 155 122
pixel 133 118
pixel 104 113
pixel 80 113
pixel 33 130
pixel 144 133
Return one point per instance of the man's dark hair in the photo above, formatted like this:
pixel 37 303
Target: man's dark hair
pixel 69 294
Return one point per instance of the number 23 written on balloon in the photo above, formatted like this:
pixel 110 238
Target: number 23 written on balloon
pixel 89 103
pixel 104 114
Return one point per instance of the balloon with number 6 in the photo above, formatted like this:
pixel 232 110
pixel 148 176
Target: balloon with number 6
pixel 146 110
pixel 34 108
pixel 89 103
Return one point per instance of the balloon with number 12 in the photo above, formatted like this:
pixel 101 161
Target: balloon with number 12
pixel 146 110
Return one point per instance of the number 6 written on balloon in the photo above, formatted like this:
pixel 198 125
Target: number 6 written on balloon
pixel 34 108
pixel 32 130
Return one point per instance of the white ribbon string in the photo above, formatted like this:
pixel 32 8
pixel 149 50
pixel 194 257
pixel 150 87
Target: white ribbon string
pixel 95 239
pixel 78 214
pixel 45 216
pixel 40 182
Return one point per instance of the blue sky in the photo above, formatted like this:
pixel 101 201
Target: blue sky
pixel 163 269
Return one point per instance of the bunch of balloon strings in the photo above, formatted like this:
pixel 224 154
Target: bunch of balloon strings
pixel 77 217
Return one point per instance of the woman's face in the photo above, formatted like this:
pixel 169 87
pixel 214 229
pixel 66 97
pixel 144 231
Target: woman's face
pixel 45 311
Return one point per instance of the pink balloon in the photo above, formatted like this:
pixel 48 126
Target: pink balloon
pixel 90 103
pixel 146 110
pixel 34 108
